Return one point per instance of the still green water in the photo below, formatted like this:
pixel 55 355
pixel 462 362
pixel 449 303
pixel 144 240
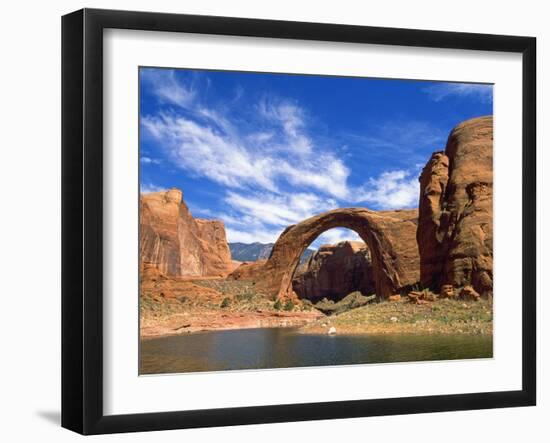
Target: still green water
pixel 285 348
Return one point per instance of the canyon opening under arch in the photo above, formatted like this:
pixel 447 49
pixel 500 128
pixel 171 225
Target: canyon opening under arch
pixel 389 235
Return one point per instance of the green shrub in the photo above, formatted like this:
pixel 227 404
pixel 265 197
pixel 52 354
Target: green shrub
pixel 225 302
pixel 289 306
pixel 278 305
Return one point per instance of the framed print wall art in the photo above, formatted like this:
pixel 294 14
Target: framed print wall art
pixel 270 221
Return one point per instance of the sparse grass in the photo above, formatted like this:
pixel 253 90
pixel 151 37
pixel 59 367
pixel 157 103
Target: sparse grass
pixel 442 316
pixel 240 298
pixel 233 295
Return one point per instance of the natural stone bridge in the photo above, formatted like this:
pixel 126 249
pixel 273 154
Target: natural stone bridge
pixel 389 235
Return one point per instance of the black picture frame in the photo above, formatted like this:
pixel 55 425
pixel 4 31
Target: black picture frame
pixel 82 218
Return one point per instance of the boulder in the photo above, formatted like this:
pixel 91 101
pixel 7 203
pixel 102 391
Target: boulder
pixel 334 271
pixel 455 226
pixel 447 291
pixel 421 297
pixel 469 293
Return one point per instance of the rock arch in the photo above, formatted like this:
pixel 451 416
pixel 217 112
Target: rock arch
pixel 390 236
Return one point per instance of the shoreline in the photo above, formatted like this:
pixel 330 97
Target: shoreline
pixel 444 317
pixel 167 309
pixel 215 320
pixel 315 331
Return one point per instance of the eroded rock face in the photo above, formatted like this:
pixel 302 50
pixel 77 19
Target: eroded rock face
pixel 249 271
pixel 216 254
pixel 455 228
pixel 335 271
pixel 389 235
pixel 177 244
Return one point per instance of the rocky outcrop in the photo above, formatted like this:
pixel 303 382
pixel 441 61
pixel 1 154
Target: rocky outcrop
pixel 216 253
pixel 171 240
pixel 335 271
pixel 389 235
pixel 455 226
pixel 251 271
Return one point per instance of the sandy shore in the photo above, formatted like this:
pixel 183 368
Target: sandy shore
pixel 189 322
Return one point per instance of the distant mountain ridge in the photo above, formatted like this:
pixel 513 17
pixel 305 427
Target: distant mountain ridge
pixel 250 251
pixel 256 251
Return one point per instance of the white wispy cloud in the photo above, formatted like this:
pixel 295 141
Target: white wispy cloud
pixel 168 88
pixel 201 149
pixel 199 210
pixel 250 236
pixel 290 118
pixel 334 236
pixel 281 210
pixel 442 91
pixel 148 160
pixel 147 188
pixel 227 157
pixel 391 190
pixel 267 215
pixel 276 172
pixel 401 138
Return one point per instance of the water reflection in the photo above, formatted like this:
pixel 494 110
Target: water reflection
pixel 284 348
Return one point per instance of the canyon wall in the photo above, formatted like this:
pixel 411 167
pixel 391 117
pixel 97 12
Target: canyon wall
pixel 455 224
pixel 177 244
pixel 334 271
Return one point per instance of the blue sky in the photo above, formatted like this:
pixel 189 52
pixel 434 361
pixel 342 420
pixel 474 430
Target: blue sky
pixel 263 151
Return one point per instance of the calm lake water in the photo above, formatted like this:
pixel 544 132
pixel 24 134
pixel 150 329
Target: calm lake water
pixel 284 348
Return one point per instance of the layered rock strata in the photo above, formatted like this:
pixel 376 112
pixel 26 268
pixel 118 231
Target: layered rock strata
pixel 335 271
pixel 177 244
pixel 455 226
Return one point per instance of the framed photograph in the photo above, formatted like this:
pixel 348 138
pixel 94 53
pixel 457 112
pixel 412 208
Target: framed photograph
pixel 269 221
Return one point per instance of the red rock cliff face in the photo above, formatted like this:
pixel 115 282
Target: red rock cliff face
pixel 177 244
pixel 334 271
pixel 455 226
pixel 216 253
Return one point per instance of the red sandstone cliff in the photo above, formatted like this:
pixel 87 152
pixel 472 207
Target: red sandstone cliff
pixel 334 271
pixel 455 229
pixel 177 244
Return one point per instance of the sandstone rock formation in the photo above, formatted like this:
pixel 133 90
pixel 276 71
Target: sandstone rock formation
pixel 389 235
pixel 455 226
pixel 177 244
pixel 335 271
pixel 249 271
pixel 216 254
